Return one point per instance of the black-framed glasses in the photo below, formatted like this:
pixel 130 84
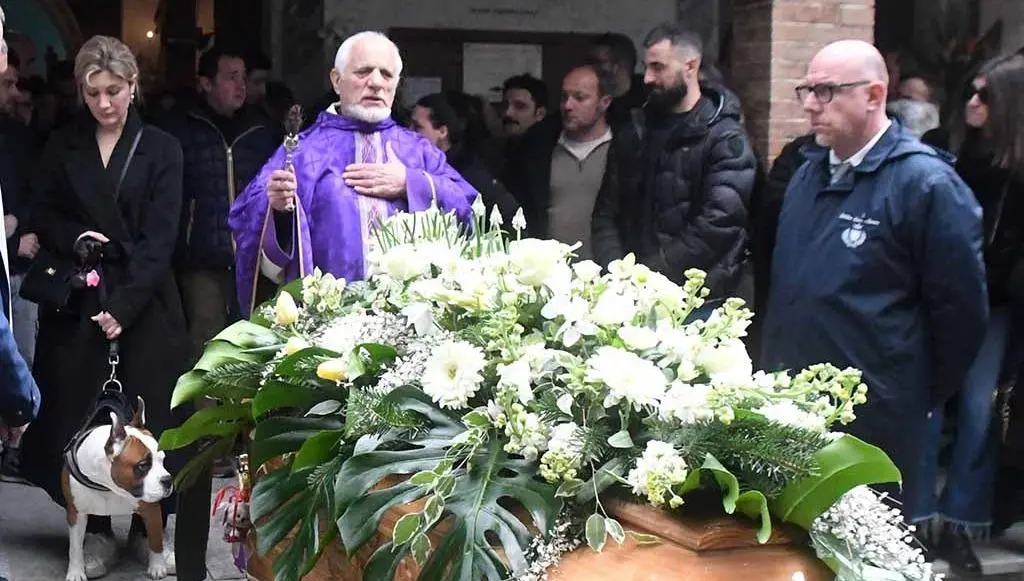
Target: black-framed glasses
pixel 981 92
pixel 825 92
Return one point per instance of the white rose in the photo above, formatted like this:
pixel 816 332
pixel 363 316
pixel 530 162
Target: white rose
pixel 638 338
pixel 535 259
pixel 728 363
pixel 587 270
pixel 613 309
pixel 402 262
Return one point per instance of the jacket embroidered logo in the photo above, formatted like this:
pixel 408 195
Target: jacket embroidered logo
pixel 854 235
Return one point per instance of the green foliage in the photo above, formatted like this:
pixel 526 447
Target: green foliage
pixel 283 435
pixel 298 500
pixel 845 464
pixel 763 455
pixel 751 503
pixel 374 414
pixel 221 421
pixel 198 464
pixel 471 494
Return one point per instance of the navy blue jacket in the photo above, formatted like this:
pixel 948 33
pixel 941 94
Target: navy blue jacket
pixel 883 272
pixel 217 168
pixel 19 395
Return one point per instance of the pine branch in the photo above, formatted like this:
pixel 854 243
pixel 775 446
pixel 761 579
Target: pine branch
pixel 763 455
pixel 240 374
pixel 370 413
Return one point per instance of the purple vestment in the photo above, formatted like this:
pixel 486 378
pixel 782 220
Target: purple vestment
pixel 332 220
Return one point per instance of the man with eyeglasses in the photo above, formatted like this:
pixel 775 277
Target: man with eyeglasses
pixel 877 264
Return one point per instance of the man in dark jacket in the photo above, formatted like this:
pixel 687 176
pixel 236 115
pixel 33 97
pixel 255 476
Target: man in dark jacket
pixel 614 53
pixel 877 263
pixel 437 119
pixel 684 191
pixel 224 145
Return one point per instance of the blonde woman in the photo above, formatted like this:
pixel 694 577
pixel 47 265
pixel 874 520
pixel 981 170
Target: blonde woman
pixel 108 196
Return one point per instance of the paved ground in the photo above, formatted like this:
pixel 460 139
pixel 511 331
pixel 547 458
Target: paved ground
pixel 33 541
pixel 33 544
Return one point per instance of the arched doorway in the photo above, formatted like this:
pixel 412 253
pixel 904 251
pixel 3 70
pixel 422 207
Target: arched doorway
pixel 41 31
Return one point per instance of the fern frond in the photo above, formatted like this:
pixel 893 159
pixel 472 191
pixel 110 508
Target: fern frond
pixel 235 374
pixel 370 413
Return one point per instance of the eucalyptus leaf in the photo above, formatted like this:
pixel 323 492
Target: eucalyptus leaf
pixel 596 533
pixel 620 440
pixel 325 408
pixel 406 527
pixel 615 530
pixel 843 465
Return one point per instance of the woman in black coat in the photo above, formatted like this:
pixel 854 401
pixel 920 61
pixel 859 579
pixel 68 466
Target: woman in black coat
pixel 107 179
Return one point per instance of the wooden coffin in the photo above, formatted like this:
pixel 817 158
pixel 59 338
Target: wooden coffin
pixel 712 547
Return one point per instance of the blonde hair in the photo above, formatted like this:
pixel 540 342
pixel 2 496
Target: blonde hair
pixel 105 54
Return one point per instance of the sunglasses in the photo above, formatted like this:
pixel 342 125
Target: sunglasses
pixel 981 92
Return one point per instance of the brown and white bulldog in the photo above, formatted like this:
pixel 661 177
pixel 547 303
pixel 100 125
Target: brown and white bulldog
pixel 117 470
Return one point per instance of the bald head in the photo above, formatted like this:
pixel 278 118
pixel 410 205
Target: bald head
pixel 855 56
pixel 846 91
pixel 365 76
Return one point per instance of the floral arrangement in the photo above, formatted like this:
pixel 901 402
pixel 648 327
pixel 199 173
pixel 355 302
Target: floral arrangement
pixel 473 368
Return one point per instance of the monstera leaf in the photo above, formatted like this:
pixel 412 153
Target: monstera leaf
pixel 750 503
pixel 477 501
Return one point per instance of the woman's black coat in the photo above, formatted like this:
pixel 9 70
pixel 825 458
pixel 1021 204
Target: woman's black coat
pixel 73 193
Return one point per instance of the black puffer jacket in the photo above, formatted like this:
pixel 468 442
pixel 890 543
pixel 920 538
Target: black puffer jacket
pixel 683 201
pixel 217 168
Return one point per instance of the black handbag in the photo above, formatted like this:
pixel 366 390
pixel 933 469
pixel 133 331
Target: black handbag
pixel 51 279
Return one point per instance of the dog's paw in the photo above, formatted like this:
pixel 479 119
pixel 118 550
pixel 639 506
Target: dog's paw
pixel 76 574
pixel 157 566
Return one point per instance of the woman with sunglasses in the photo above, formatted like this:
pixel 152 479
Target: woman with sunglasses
pixel 989 144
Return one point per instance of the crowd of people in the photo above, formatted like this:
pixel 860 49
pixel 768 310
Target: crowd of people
pixel 882 240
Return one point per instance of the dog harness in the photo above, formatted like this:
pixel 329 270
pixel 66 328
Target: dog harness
pixel 110 400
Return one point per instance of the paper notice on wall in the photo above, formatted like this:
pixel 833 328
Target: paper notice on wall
pixel 485 66
pixel 415 88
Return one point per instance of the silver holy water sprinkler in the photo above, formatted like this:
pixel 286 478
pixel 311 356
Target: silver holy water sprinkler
pixel 292 126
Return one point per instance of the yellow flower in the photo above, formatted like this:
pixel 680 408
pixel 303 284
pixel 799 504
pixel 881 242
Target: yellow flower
pixel 294 345
pixel 332 369
pixel 286 312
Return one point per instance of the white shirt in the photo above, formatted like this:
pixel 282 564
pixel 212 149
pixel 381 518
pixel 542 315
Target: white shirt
pixel 3 255
pixel 857 158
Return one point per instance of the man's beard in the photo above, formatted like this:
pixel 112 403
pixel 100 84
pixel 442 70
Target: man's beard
pixel 668 98
pixel 367 114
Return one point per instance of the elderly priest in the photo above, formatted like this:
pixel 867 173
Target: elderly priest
pixel 353 167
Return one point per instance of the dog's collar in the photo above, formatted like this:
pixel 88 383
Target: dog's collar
pixel 71 460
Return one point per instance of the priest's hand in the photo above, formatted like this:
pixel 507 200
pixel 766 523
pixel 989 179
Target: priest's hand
pixel 281 190
pixel 380 180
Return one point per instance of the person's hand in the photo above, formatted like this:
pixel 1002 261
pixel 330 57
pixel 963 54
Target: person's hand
pixel 28 246
pixel 111 328
pixel 10 225
pixel 380 180
pixel 281 191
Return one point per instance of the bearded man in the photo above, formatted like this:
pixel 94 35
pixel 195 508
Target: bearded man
pixel 685 179
pixel 353 167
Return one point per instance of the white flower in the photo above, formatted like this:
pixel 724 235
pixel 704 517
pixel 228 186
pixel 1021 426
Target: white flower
pixel 421 317
pixel 787 413
pixel 519 220
pixel 478 206
pixel 627 376
pixel 686 403
pixel 403 262
pixel 516 376
pixel 496 219
pixel 657 472
pixel 534 259
pixel 638 338
pixel 563 457
pixel 527 434
pixel 587 270
pixel 681 348
pixel 613 309
pixel 728 363
pixel 573 310
pixel 286 312
pixel 453 374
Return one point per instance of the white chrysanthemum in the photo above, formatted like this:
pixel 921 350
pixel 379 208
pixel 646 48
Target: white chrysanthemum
pixel 728 363
pixel 627 376
pixel 686 403
pixel 787 413
pixel 452 374
pixel 657 472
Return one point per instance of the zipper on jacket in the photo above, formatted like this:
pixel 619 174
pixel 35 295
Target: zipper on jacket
pixel 229 150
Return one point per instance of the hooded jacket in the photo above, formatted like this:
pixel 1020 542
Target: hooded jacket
pixel 683 195
pixel 882 272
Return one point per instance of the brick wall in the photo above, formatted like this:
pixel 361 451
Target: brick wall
pixel 774 40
